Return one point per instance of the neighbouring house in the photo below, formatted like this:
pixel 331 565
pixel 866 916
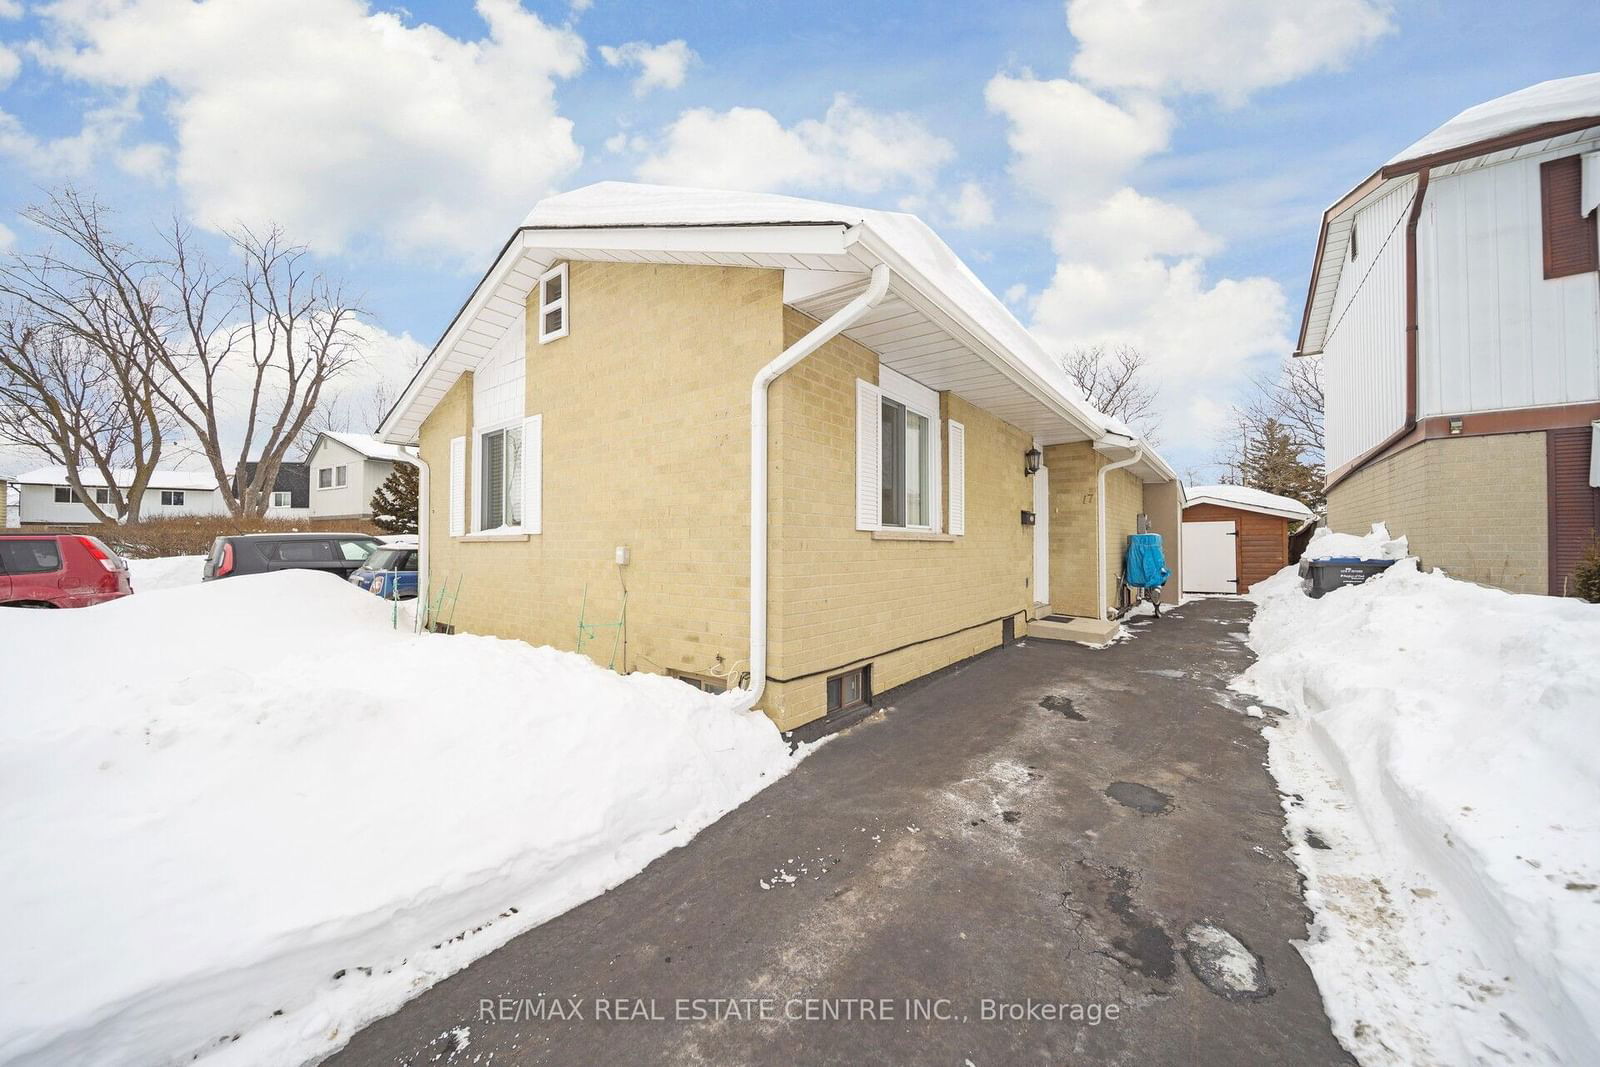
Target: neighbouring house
pixel 6 505
pixel 1455 304
pixel 47 499
pixel 291 490
pixel 345 470
pixel 586 424
pixel 1234 536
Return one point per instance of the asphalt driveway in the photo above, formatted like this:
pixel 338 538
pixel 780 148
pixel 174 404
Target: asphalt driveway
pixel 1049 855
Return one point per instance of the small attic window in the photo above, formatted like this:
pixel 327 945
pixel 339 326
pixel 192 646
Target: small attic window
pixel 553 304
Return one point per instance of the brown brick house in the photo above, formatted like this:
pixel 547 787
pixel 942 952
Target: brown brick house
pixel 927 481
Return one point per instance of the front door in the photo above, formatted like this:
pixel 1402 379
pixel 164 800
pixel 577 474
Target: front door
pixel 1210 557
pixel 1041 536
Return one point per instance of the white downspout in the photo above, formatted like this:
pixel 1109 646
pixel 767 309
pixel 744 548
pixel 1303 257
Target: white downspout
pixel 820 335
pixel 423 483
pixel 1100 504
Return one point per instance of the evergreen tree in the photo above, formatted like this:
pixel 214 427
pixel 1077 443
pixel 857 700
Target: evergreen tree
pixel 1586 579
pixel 394 505
pixel 1273 462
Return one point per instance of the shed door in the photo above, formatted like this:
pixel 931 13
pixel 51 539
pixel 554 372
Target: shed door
pixel 1209 557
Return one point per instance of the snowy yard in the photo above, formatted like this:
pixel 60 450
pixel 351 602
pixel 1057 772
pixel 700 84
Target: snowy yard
pixel 239 820
pixel 167 572
pixel 1440 759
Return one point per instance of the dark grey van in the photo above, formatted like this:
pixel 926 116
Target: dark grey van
pixel 340 554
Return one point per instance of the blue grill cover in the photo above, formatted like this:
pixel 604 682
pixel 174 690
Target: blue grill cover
pixel 1145 564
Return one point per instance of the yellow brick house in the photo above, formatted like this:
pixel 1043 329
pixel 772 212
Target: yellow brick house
pixel 927 482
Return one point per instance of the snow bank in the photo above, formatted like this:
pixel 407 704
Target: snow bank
pixel 168 572
pixel 240 819
pixel 1326 544
pixel 1441 740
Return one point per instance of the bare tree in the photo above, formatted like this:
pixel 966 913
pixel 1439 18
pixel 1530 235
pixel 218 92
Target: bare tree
pixel 77 379
pixel 1287 408
pixel 240 355
pixel 290 336
pixel 1116 381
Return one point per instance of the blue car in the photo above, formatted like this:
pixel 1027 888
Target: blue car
pixel 390 572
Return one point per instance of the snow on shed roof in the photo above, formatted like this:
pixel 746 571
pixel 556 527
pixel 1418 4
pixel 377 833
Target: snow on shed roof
pixel 635 204
pixel 196 480
pixel 1552 101
pixel 367 445
pixel 1242 496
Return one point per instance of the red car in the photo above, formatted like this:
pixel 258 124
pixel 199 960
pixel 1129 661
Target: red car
pixel 59 571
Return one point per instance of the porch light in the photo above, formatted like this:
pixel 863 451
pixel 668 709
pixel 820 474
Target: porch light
pixel 1032 460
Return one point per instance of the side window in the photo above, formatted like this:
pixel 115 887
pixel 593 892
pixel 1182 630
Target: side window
pixel 29 557
pixel 500 474
pixel 65 494
pixel 324 477
pixel 553 322
pixel 172 498
pixel 280 500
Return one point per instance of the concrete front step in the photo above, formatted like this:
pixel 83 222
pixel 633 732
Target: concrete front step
pixel 1067 628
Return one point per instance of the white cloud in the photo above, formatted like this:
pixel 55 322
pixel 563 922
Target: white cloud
pixel 1222 48
pixel 1067 141
pixel 10 65
pixel 341 123
pixel 10 9
pixel 148 161
pixel 661 66
pixel 1131 267
pixel 8 237
pixel 971 207
pixel 850 148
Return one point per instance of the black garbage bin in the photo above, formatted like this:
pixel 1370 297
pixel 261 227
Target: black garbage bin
pixel 1319 576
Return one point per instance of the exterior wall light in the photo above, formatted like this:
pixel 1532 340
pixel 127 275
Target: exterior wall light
pixel 1455 426
pixel 1032 460
pixel 1029 519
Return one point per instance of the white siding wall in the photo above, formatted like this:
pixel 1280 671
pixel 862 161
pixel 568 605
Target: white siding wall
pixel 355 497
pixel 38 506
pixel 497 385
pixel 1364 353
pixel 1495 333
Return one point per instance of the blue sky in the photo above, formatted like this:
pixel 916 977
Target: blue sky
pixel 1120 171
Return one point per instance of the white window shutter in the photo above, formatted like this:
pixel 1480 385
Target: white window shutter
pixel 869 464
pixel 458 486
pixel 533 474
pixel 958 477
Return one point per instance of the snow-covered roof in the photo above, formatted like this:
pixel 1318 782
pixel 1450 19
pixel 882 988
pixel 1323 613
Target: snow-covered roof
pixel 1552 101
pixel 123 477
pixel 826 251
pixel 367 445
pixel 1559 114
pixel 1242 496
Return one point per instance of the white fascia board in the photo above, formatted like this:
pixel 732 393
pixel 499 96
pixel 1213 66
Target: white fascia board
pixel 1120 445
pixel 915 290
pixel 389 431
pixel 803 239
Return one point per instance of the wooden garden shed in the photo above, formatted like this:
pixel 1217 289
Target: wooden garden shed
pixel 1234 536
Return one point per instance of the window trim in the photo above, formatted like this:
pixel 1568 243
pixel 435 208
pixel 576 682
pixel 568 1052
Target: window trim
pixel 335 481
pixel 478 499
pixel 919 400
pixel 561 303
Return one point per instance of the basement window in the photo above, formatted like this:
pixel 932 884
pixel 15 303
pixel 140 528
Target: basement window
pixel 553 304
pixel 852 689
pixel 704 683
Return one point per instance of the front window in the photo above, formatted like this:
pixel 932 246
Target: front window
pixel 501 473
pixel 172 498
pixel 280 500
pixel 907 463
pixel 65 494
pixel 332 477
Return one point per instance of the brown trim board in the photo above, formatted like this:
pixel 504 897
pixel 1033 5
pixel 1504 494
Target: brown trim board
pixel 1477 424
